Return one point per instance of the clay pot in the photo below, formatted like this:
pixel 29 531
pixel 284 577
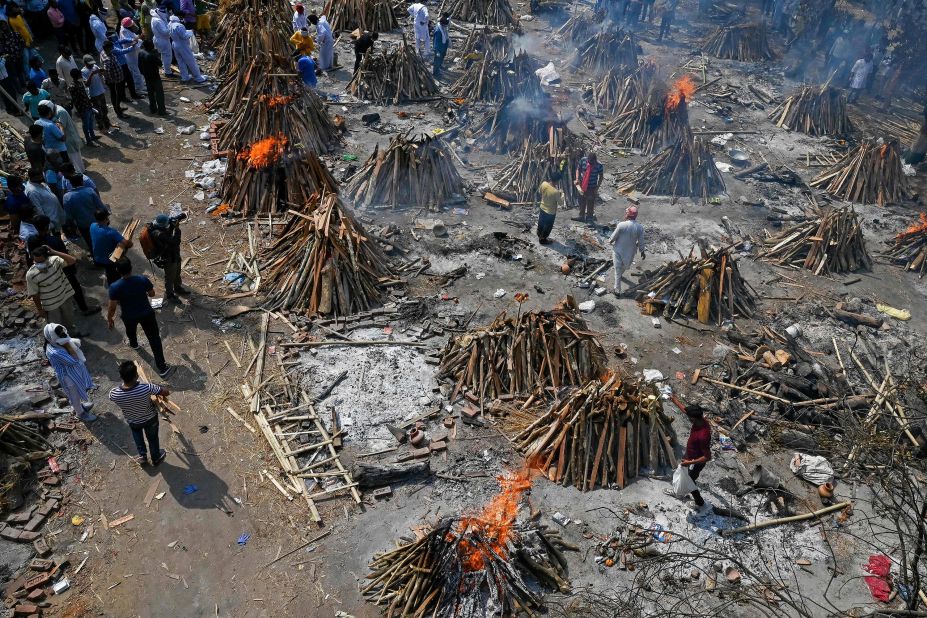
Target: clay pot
pixel 416 437
pixel 826 490
pixel 565 268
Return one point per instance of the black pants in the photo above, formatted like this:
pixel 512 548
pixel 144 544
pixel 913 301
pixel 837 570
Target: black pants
pixel 172 279
pixel 85 234
pixel 71 273
pixel 545 225
pixel 128 81
pixel 155 96
pixel 666 22
pixel 147 430
pixel 112 275
pixel 694 471
pixel 149 324
pixel 117 94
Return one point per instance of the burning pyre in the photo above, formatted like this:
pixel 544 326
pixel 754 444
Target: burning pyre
pixel 909 248
pixel 514 121
pixel 655 121
pixel 473 566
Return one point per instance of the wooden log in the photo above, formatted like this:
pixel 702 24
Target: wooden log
pixel 370 475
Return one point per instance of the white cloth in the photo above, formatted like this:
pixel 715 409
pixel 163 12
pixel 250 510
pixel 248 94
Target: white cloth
pixel 180 39
pixel 99 31
pixel 326 42
pixel 46 202
pixel 63 66
pixel 627 238
pixel 299 21
pixel 66 342
pixel 162 39
pixel 72 139
pixel 620 266
pixel 860 73
pixel 812 468
pixel 419 14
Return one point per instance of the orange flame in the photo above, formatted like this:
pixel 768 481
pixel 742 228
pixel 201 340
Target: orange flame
pixel 916 228
pixel 265 152
pixel 681 91
pixel 494 524
pixel 277 100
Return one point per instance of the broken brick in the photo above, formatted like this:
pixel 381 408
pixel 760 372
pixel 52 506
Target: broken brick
pixel 10 533
pixel 20 517
pixel 437 446
pixel 35 523
pixel 25 609
pixel 439 436
pixel 420 453
pixel 41 547
pixel 47 508
pixel 51 480
pixel 37 564
pixel 448 421
pixel 37 581
pixel 383 492
pixel 64 426
pixel 25 536
pixel 470 412
pixel 36 595
pixel 471 397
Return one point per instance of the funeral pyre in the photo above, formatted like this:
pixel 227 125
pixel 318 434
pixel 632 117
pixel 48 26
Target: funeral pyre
pixel 909 248
pixel 686 168
pixel 814 110
pixel 745 42
pixel 393 75
pixel 830 243
pixel 535 163
pixel 653 120
pixel 869 174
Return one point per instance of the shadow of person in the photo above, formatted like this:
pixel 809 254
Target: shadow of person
pixel 210 490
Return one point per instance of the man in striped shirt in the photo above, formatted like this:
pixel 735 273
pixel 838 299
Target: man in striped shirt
pixel 48 285
pixel 134 398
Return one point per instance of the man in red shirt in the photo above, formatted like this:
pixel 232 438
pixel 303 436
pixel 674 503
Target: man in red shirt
pixel 698 448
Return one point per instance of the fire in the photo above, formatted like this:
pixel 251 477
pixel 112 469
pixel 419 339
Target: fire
pixel 494 524
pixel 883 150
pixel 265 152
pixel 277 100
pixel 681 91
pixel 916 228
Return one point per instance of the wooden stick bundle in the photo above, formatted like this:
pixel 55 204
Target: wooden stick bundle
pixel 606 50
pixel 650 125
pixel 684 169
pixel 871 173
pixel 247 28
pixel 581 25
pixel 519 180
pixel 910 247
pixel 599 435
pixel 524 354
pixel 620 91
pixel 409 172
pixel 707 287
pixel 394 75
pixel 371 15
pixel 486 12
pixel 324 263
pixel 832 243
pixel 497 46
pixel 494 80
pixel 745 42
pixel 19 439
pixel 505 128
pixel 814 110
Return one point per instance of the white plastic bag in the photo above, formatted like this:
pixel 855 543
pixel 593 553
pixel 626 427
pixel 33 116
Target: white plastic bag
pixel 683 484
pixel 812 468
pixel 194 45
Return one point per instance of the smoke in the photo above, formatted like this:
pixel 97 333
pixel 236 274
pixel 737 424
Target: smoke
pixel 529 42
pixel 525 108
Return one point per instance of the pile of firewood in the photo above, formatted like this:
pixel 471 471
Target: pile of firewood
pixel 252 187
pixel 265 101
pixel 708 288
pixel 684 169
pixel 581 25
pixel 12 150
pixel 599 435
pixel 371 15
pixel 486 42
pixel 487 12
pixel 20 438
pixel 324 263
pixel 465 565
pixel 650 125
pixel 519 180
pixel 607 50
pixel 394 75
pixel 409 172
pixel 509 125
pixel 248 28
pixel 620 91
pixel 869 174
pixel 832 243
pixel 525 353
pixel 494 81
pixel 814 110
pixel 745 42
pixel 910 247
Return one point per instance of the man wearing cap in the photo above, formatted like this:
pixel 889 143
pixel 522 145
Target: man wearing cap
pixel 131 41
pixel 166 236
pixel 588 175
pixel 419 14
pixel 162 38
pixel 299 18
pixel 627 238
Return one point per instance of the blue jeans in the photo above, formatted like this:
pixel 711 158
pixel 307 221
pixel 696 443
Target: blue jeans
pixel 86 121
pixel 149 430
pixel 545 224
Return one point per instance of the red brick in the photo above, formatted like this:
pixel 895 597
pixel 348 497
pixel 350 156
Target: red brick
pixel 46 509
pixel 10 533
pixel 383 492
pixel 36 595
pixel 470 411
pixel 437 446
pixel 37 581
pixel 35 523
pixel 27 537
pixel 24 609
pixel 37 564
pixel 41 547
pixel 421 453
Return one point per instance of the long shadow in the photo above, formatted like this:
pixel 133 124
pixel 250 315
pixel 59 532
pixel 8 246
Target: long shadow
pixel 210 489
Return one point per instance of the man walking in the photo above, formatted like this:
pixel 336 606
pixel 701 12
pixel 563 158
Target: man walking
pixel 859 74
pixel 551 198
pixel 419 14
pixel 325 41
pixel 698 447
pixel 134 398
pixel 166 236
pixel 588 175
pixel 442 43
pixel 49 288
pixel 149 63
pixel 105 240
pixel 131 293
pixel 627 238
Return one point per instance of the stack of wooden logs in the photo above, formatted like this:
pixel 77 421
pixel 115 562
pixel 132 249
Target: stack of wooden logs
pixel 264 101
pixel 324 263
pixel 814 110
pixel 454 569
pixel 409 172
pixel 494 81
pixel 649 124
pixel 12 158
pixel 19 439
pixel 394 75
pixel 251 190
pixel 581 25
pixel 525 353
pixel 510 124
pixel 909 248
pixel 599 435
pixel 607 50
pixel 831 243
pixel 486 12
pixel 871 173
pixel 620 91
pixel 370 15
pixel 519 180
pixel 745 42
pixel 684 169
pixel 487 42
pixel 248 28
pixel 708 287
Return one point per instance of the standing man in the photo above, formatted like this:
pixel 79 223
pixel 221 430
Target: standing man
pixel 325 41
pixel 98 28
pixel 96 90
pixel 83 106
pixel 80 204
pixel 115 80
pixel 859 74
pixel 53 241
pixel 134 398
pixel 305 66
pixel 698 447
pixel 647 11
pixel 551 198
pixel 31 99
pixel 71 137
pixel 362 45
pixel 166 236
pixel 65 63
pixel 441 43
pixel 44 200
pixel 131 42
pixel 419 14
pixel 588 175
pixel 49 288
pixel 105 240
pixel 299 18
pixel 131 294
pixel 180 40
pixel 667 18
pixel 627 238
pixel 162 39
pixel 149 63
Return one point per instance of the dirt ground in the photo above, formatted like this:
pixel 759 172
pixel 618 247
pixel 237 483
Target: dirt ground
pixel 180 556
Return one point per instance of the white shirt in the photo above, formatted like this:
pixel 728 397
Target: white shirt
pixel 419 13
pixel 64 66
pixel 627 238
pixel 860 72
pixel 299 21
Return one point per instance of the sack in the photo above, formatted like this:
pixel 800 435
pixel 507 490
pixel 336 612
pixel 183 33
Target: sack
pixel 683 485
pixel 147 243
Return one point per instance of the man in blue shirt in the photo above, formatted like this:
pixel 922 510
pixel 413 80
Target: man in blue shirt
pixel 80 204
pixel 16 199
pixel 105 239
pixel 131 294
pixel 31 99
pixel 53 137
pixel 306 67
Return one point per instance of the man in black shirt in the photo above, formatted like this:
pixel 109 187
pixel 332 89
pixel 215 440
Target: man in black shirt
pixel 149 63
pixel 362 45
pixel 166 236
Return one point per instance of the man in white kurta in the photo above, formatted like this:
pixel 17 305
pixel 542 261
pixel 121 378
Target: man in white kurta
pixel 419 14
pixel 627 238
